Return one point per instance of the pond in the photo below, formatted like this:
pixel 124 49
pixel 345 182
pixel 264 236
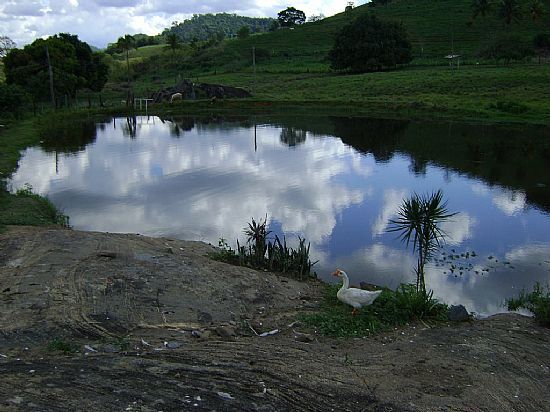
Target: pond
pixel 335 181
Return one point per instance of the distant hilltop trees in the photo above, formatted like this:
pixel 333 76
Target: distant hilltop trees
pixel 206 26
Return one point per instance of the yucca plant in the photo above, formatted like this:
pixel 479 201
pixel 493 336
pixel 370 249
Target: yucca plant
pixel 418 222
pixel 257 239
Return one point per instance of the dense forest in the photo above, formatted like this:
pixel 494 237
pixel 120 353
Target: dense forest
pixel 205 26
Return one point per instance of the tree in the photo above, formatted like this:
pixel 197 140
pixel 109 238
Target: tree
pixel 480 7
pixel 6 44
pixel 370 44
pixel 12 99
pixel 541 42
pixel 314 18
pixel 74 67
pixel 99 74
pixel 509 11
pixel 349 6
pixel 243 32
pixel 536 10
pixel 290 17
pixel 172 43
pixel 418 221
pixel 125 44
pixel 507 48
pixel 274 26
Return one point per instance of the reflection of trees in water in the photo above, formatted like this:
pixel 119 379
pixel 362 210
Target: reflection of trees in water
pixel 418 166
pixel 512 157
pixel 177 126
pixel 380 137
pixel 129 128
pixel 292 137
pixel 68 137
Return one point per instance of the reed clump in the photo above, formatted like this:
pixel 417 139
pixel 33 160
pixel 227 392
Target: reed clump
pixel 261 252
pixel 537 301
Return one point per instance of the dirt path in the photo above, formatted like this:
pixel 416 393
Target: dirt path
pixel 157 325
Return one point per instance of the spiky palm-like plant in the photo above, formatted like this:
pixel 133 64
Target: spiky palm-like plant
pixel 480 7
pixel 418 222
pixel 257 237
pixel 536 10
pixel 510 11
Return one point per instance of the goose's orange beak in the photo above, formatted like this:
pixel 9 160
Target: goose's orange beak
pixel 336 273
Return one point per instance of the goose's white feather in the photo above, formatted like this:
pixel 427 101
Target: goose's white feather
pixel 357 298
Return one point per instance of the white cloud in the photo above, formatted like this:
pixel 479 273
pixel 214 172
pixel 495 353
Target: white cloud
pixel 459 228
pixel 169 188
pixel 510 202
pixel 392 200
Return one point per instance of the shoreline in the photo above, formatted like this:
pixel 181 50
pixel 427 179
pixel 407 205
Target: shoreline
pixel 131 321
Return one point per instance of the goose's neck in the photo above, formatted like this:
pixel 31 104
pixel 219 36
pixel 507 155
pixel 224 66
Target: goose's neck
pixel 345 281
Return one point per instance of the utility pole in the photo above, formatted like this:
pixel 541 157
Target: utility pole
pixel 50 71
pixel 254 65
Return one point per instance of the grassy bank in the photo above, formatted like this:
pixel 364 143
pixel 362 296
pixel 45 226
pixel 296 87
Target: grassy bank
pixel 516 93
pixel 23 207
pixel 391 309
pixel 496 94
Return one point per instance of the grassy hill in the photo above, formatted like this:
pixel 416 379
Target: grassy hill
pixel 435 27
pixel 292 66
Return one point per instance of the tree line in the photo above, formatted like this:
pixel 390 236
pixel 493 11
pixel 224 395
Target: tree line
pixel 58 67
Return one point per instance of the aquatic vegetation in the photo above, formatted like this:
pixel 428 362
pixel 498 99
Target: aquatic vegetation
pixel 273 255
pixel 62 345
pixel 537 301
pixel 392 308
pixel 417 221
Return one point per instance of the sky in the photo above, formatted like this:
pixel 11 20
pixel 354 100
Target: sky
pixel 99 22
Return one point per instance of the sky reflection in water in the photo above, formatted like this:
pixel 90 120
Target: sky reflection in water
pixel 204 181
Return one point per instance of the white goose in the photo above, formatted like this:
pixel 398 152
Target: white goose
pixel 353 296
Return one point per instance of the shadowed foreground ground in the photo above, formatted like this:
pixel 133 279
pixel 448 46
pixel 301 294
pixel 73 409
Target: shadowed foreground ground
pixel 155 325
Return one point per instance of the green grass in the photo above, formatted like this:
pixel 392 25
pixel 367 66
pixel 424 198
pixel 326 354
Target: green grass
pixel 263 253
pixel 26 207
pixel 292 68
pixel 537 301
pixel 389 310
pixel 62 345
pixel 435 27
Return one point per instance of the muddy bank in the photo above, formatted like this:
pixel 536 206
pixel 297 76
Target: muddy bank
pixel 155 324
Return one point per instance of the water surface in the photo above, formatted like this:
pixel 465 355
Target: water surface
pixel 335 181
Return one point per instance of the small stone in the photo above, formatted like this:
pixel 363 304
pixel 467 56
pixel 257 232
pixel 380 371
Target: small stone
pixel 226 331
pixel 225 395
pixel 458 313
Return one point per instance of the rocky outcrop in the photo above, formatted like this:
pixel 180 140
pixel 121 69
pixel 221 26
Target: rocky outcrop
pixel 191 91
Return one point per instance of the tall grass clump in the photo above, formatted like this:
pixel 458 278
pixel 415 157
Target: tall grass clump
pixel 274 255
pixel 28 208
pixel 391 309
pixel 537 301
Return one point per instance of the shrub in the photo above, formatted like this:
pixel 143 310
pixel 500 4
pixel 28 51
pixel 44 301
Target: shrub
pixel 392 308
pixel 62 345
pixel 507 48
pixel 370 44
pixel 537 301
pixel 262 253
pixel 12 99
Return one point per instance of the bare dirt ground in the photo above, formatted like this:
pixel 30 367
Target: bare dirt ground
pixel 156 325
